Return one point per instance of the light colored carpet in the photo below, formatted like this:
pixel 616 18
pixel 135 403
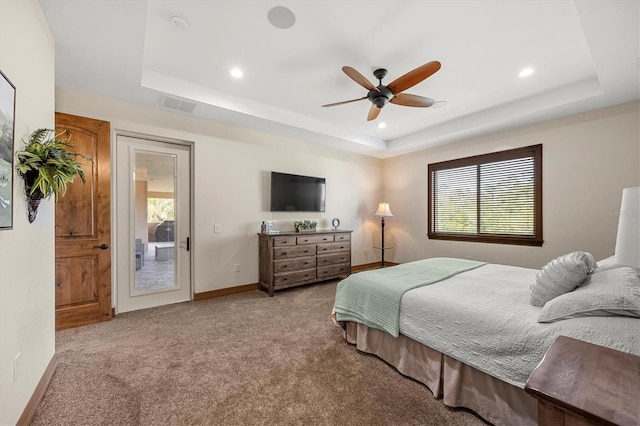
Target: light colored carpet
pixel 245 359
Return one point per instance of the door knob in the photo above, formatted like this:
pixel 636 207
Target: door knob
pixel 102 246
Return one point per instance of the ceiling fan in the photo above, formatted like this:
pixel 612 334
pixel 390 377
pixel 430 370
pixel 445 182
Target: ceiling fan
pixel 381 95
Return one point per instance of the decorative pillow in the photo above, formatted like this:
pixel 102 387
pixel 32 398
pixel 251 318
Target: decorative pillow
pixel 608 263
pixel 560 276
pixel 607 293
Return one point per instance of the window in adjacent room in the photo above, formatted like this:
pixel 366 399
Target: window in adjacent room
pixel 493 198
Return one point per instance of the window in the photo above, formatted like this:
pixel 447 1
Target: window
pixel 492 198
pixel 159 209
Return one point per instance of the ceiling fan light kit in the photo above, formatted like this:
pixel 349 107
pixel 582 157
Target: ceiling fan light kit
pixel 380 95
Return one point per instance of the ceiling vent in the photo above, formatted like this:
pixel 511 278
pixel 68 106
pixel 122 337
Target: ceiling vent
pixel 178 104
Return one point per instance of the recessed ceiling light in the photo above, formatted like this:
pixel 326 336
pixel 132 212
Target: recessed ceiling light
pixel 179 22
pixel 526 72
pixel 236 72
pixel 382 125
pixel 281 17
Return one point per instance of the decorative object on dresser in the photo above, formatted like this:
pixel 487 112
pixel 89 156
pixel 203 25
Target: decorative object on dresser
pixel 579 383
pixel 335 222
pixel 290 259
pixel 270 227
pixel 383 210
pixel 305 225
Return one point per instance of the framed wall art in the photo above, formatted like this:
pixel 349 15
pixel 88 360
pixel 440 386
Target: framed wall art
pixel 7 119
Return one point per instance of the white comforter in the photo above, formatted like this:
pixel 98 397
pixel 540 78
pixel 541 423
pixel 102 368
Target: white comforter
pixel 483 318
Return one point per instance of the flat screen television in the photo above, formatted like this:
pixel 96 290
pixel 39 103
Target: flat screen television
pixel 295 193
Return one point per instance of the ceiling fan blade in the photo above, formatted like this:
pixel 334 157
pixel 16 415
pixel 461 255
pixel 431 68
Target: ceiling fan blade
pixel 412 100
pixel 373 113
pixel 414 77
pixel 359 78
pixel 344 102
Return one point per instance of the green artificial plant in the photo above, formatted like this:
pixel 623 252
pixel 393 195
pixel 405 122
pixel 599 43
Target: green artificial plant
pixel 305 225
pixel 47 166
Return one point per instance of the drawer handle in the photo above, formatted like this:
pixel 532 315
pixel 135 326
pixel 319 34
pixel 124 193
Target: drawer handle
pixel 284 266
pixel 284 253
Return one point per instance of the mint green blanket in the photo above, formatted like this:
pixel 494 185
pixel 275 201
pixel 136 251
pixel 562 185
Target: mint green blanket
pixel 373 297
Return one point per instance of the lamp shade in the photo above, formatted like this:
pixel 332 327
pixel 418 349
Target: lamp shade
pixel 383 210
pixel 628 239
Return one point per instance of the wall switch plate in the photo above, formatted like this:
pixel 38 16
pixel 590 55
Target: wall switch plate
pixel 236 267
pixel 216 228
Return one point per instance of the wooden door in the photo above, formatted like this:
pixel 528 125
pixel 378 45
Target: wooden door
pixel 83 229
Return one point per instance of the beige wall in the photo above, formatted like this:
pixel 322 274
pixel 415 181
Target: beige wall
pixel 27 251
pixel 587 160
pixel 232 167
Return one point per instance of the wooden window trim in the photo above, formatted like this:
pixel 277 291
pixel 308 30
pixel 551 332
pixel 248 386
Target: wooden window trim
pixel 535 240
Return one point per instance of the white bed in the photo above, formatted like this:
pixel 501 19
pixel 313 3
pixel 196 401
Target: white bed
pixel 474 338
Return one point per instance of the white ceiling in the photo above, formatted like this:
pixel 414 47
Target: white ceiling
pixel 586 55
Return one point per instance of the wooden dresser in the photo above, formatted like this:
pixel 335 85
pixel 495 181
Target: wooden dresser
pixel 579 384
pixel 290 259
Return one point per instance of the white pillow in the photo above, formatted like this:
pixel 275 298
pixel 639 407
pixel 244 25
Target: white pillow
pixel 561 275
pixel 608 293
pixel 608 263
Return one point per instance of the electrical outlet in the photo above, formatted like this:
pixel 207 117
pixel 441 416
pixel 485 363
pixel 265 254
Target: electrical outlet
pixel 216 228
pixel 236 267
pixel 16 367
pixel 365 252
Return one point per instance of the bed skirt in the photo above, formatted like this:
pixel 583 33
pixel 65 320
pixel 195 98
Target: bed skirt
pixel 458 384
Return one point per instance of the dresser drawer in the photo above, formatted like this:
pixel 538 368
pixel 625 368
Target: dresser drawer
pixel 332 259
pixel 296 264
pixel 333 247
pixel 314 239
pixel 334 270
pixel 294 251
pixel 284 241
pixel 343 237
pixel 294 277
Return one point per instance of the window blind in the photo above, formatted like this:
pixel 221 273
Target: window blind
pixel 494 197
